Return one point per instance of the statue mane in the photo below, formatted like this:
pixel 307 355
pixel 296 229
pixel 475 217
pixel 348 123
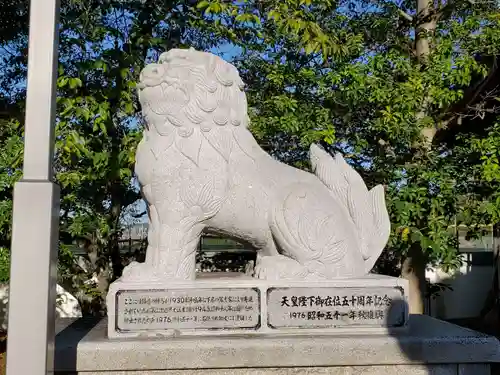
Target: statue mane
pixel 199 95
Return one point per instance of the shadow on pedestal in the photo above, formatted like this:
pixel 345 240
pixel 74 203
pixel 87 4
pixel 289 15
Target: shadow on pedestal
pixel 444 348
pixel 69 333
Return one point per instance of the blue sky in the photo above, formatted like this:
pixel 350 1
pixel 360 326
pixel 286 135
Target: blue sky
pixel 227 51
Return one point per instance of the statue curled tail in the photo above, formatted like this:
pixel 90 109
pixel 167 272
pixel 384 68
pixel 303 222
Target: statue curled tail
pixel 347 186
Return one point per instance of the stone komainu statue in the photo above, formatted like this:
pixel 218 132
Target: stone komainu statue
pixel 200 168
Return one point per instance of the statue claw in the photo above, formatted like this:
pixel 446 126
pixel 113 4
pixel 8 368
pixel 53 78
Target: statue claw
pixel 279 267
pixel 137 272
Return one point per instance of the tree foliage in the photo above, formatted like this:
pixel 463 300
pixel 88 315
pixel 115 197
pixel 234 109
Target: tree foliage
pixel 388 83
pixel 103 47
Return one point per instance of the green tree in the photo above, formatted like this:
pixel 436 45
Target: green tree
pixel 384 82
pixel 103 47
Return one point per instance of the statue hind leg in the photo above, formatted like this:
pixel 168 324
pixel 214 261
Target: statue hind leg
pixel 271 265
pixel 315 239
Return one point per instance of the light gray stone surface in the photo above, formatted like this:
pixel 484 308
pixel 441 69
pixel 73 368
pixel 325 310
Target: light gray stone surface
pixel 200 168
pixel 238 304
pixel 345 370
pixel 200 308
pixel 67 305
pixel 80 346
pixel 326 307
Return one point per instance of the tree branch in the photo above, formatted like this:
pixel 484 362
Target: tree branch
pixel 136 216
pixel 405 15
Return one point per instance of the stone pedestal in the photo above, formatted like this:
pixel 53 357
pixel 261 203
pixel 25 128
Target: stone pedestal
pixel 237 304
pixel 429 347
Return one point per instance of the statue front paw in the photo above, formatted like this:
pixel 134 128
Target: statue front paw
pixel 137 272
pixel 279 267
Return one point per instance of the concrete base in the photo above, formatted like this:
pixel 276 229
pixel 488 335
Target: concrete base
pixel 344 370
pixel 430 347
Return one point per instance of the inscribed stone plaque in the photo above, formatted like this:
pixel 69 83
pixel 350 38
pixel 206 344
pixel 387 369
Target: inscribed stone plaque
pixel 167 309
pixel 325 307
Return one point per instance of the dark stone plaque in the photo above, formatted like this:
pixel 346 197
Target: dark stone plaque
pixel 170 309
pixel 335 307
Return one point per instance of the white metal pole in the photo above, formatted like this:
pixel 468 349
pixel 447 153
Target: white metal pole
pixel 33 271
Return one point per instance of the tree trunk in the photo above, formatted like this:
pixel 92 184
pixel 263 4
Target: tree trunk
pixel 413 269
pixel 423 28
pixel 415 263
pixel 426 25
pixel 116 258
